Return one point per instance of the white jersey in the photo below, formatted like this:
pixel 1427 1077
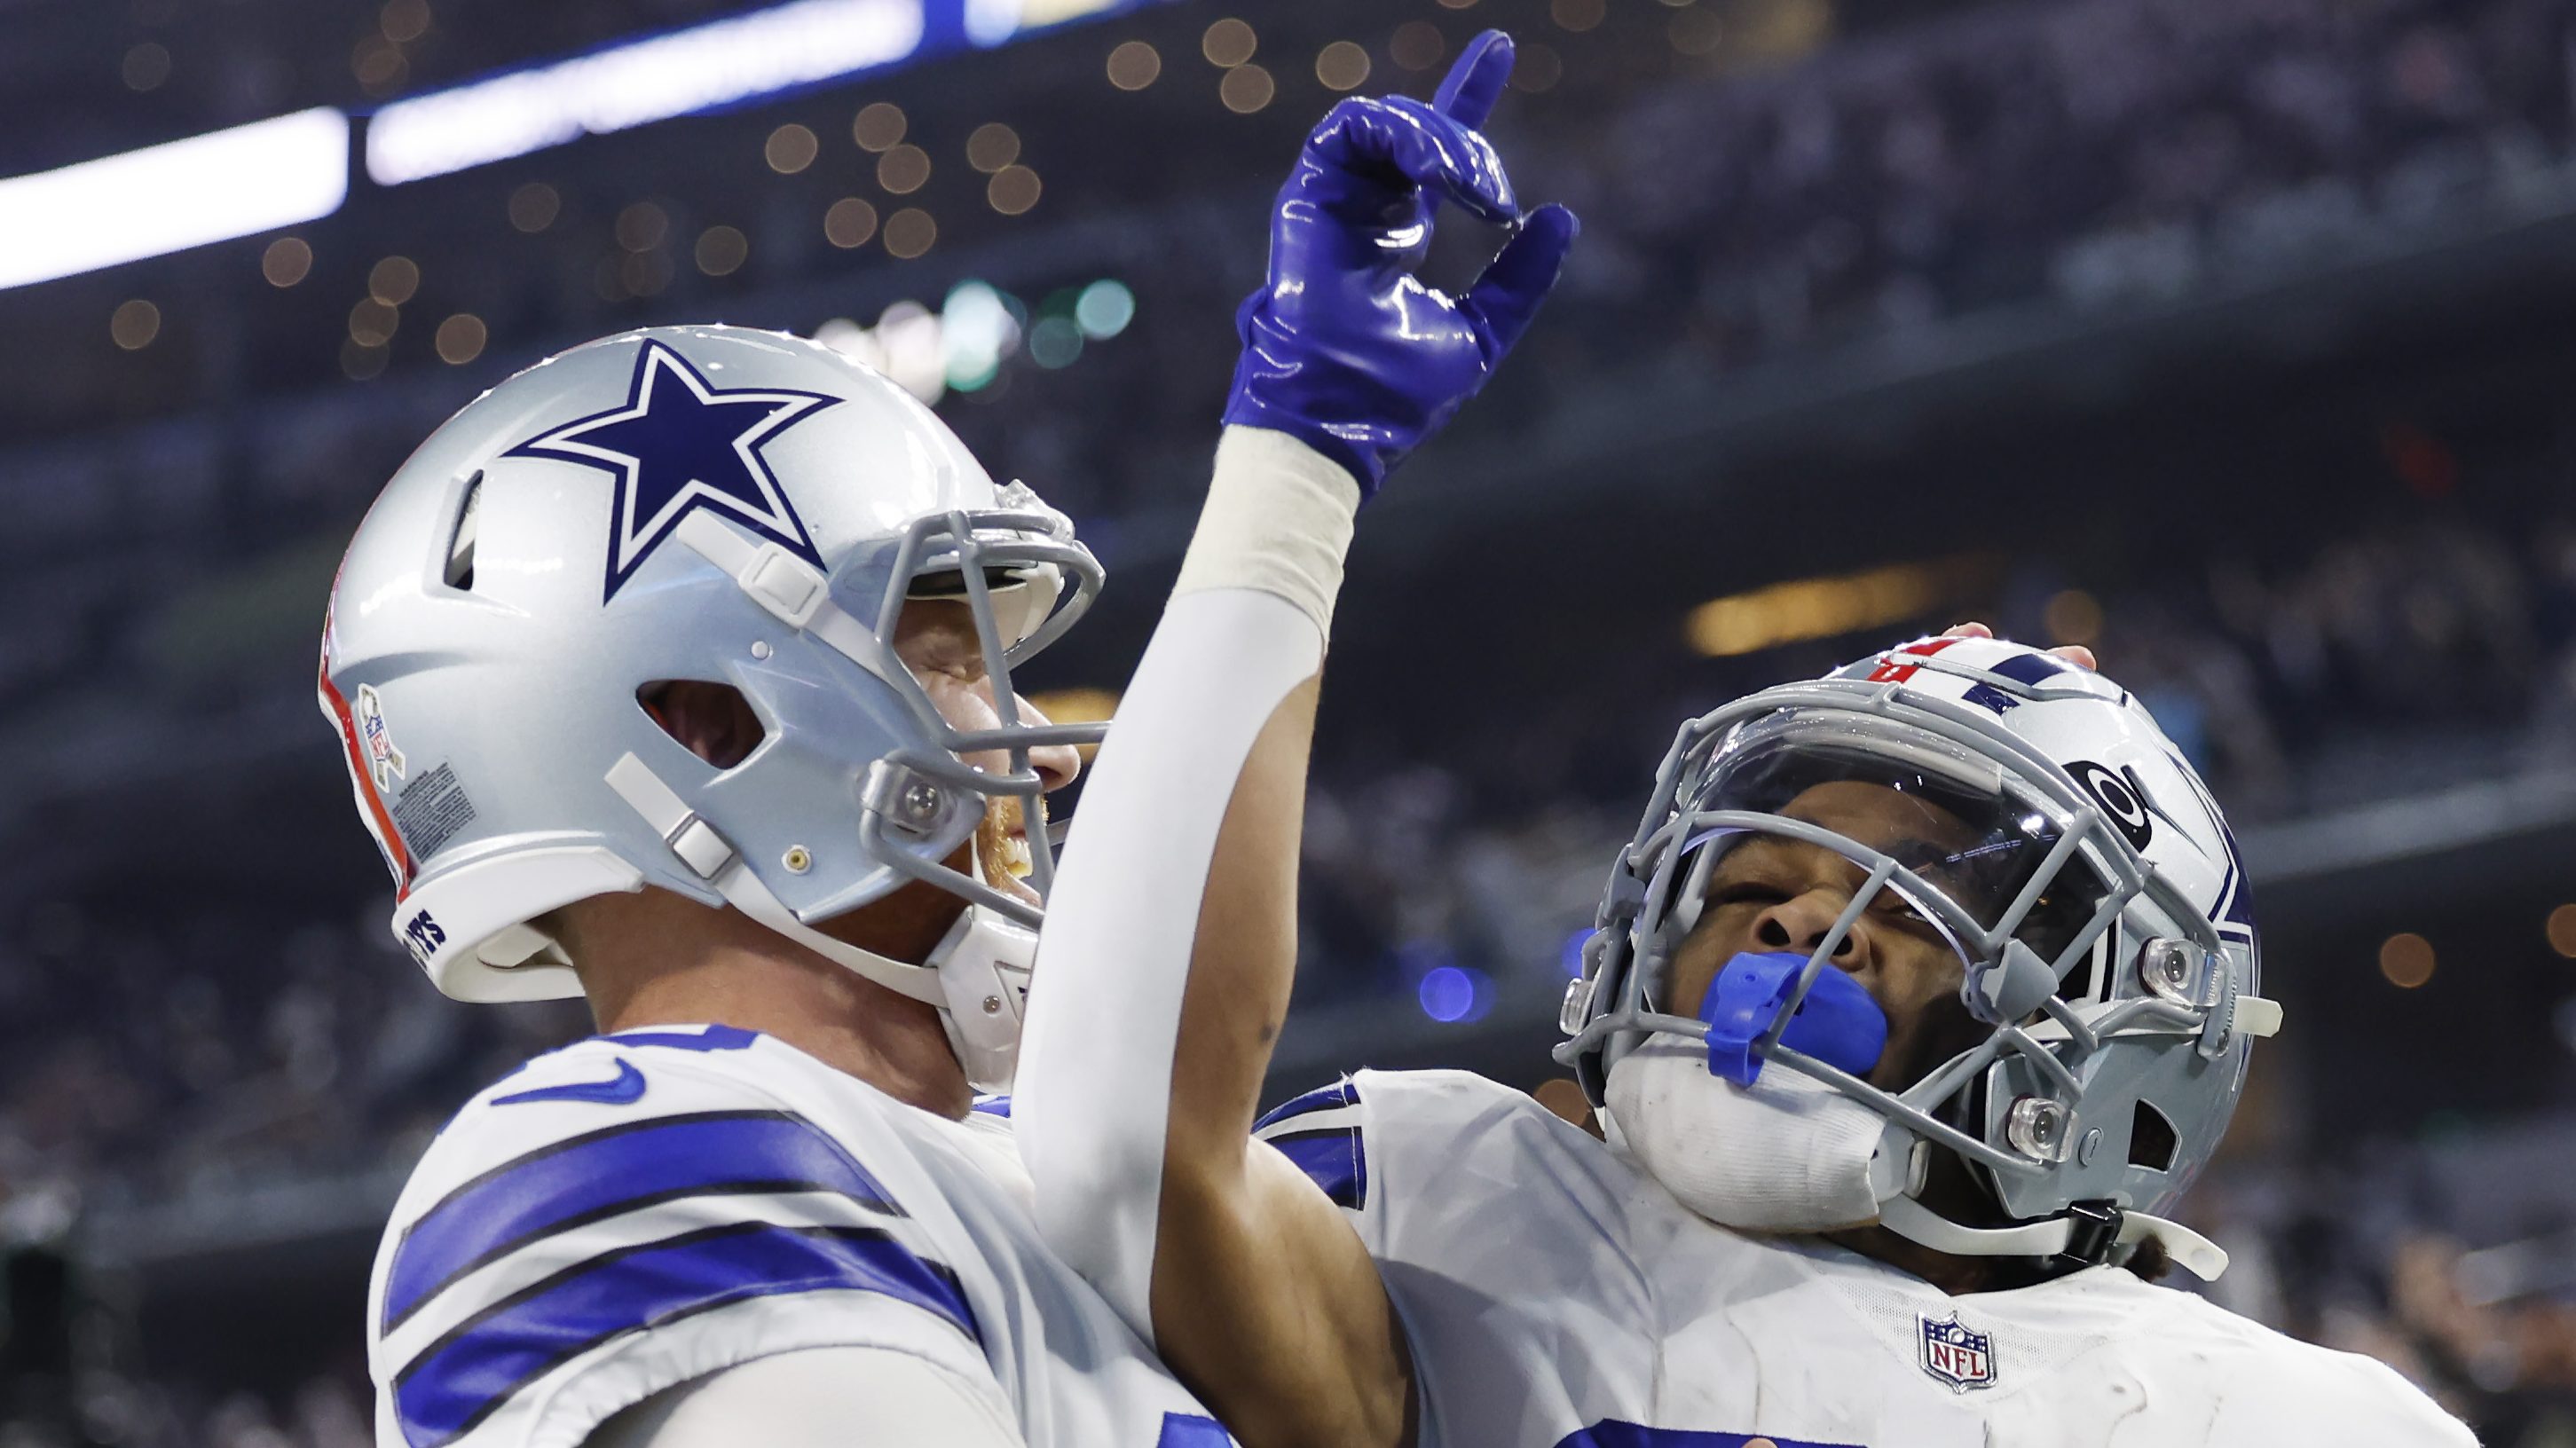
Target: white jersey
pixel 642 1209
pixel 1556 1297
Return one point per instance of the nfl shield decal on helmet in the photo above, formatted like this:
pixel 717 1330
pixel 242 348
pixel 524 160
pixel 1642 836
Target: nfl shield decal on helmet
pixel 384 761
pixel 1960 1356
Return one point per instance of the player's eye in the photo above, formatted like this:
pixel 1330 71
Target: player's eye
pixel 1746 892
pixel 1894 907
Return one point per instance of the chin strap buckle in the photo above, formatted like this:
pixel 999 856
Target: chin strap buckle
pixel 2092 1230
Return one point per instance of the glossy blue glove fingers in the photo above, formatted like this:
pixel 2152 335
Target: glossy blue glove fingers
pixel 1467 94
pixel 1343 347
pixel 1388 152
pixel 1507 296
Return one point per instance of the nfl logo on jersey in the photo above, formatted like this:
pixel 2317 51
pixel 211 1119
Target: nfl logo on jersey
pixel 1959 1356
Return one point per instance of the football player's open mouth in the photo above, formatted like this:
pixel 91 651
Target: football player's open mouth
pixel 1002 846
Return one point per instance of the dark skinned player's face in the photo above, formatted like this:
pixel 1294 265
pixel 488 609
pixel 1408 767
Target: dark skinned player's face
pixel 1772 894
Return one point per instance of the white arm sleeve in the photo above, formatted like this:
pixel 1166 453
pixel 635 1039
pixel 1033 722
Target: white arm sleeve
pixel 1246 625
pixel 840 1397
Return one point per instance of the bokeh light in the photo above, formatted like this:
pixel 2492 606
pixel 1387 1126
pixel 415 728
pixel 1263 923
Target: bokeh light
pixel 1134 65
pixel 1104 309
pixel 2561 930
pixel 910 233
pixel 1246 88
pixel 992 146
pixel 721 250
pixel 372 323
pixel 790 149
pixel 849 223
pixel 288 260
pixel 394 280
pixel 1342 66
pixel 1013 190
pixel 1229 42
pixel 404 21
pixel 1453 994
pixel 2072 616
pixel 1055 342
pixel 1576 15
pixel 1416 45
pixel 360 362
pixel 1537 68
pixel 134 324
pixel 2406 959
pixel 460 339
pixel 878 126
pixel 146 66
pixel 903 169
pixel 642 226
pixel 534 206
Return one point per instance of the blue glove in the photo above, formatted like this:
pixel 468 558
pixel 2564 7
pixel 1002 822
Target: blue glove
pixel 1343 348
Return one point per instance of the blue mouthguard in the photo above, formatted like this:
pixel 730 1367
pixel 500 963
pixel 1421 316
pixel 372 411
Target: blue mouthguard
pixel 1837 1023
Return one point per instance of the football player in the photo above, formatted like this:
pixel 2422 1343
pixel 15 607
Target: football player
pixel 1920 992
pixel 675 672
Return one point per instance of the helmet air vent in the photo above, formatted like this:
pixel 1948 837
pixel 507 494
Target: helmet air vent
pixel 459 572
pixel 2152 1141
pixel 712 721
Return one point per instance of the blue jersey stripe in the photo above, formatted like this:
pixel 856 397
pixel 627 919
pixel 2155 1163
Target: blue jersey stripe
pixel 1611 1433
pixel 1189 1430
pixel 587 1178
pixel 1334 1157
pixel 470 1373
pixel 1322 1098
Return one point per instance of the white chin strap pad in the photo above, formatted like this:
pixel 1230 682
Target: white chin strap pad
pixel 983 967
pixel 1788 1154
pixel 978 975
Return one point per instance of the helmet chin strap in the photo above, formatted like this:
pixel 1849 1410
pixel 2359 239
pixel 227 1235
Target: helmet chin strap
pixel 2087 1236
pixel 977 975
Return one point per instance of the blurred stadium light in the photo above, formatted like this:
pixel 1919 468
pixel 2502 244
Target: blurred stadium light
pixel 170 197
pixel 683 72
pixel 1817 608
pixel 295 168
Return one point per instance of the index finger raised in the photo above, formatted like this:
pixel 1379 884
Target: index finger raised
pixel 1467 94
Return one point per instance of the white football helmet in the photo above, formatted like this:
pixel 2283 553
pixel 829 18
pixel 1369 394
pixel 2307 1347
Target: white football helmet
pixel 2108 939
pixel 707 504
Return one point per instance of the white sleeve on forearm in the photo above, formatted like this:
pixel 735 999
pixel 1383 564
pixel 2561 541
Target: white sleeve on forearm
pixel 843 1397
pixel 1245 626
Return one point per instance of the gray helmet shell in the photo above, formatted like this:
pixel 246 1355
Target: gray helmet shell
pixel 2115 1051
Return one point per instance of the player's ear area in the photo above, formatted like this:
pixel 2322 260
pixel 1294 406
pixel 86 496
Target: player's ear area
pixel 714 721
pixel 1564 1097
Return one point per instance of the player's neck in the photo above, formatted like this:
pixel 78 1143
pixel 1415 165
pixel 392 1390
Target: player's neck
pixel 658 966
pixel 1957 1276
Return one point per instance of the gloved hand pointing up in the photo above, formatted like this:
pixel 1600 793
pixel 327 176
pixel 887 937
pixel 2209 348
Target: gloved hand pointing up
pixel 1343 347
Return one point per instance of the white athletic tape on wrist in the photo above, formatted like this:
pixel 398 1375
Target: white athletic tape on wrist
pixel 1278 518
pixel 1095 1081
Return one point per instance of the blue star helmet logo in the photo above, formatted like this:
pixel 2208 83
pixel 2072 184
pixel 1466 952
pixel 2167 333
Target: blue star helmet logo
pixel 679 443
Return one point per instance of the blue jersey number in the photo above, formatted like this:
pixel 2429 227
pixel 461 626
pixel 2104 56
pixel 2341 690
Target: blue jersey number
pixel 1189 1430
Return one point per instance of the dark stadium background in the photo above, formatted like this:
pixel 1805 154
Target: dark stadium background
pixel 2236 338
